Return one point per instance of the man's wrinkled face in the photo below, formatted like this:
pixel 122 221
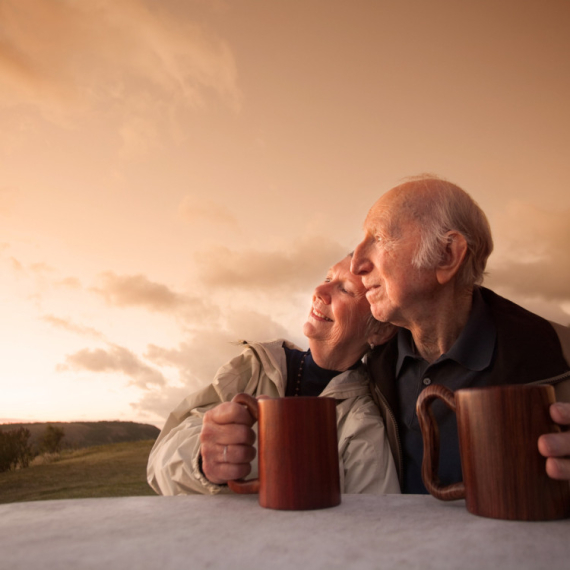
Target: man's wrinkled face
pixel 339 312
pixel 395 288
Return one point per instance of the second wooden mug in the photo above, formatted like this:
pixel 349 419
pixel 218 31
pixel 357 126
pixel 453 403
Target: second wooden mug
pixel 504 475
pixel 298 453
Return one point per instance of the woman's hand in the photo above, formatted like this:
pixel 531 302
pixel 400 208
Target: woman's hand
pixel 226 443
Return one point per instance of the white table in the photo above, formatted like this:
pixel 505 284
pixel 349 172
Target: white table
pixel 233 532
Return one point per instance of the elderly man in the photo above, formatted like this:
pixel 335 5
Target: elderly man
pixel 422 260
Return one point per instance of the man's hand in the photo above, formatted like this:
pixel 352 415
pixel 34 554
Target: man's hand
pixel 227 443
pixel 556 446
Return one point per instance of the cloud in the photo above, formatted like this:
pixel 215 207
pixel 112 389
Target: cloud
pixel 195 360
pixel 125 290
pixel 196 363
pixel 251 325
pixel 68 325
pixel 41 268
pixel 138 290
pixel 38 270
pixel 198 359
pixel 133 58
pixel 17 266
pixel 114 359
pixel 160 403
pixel 532 257
pixel 69 282
pixel 195 209
pixel 302 266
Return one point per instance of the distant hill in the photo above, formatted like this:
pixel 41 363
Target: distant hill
pixel 86 434
pixel 114 470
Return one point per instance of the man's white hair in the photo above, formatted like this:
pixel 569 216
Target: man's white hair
pixel 438 206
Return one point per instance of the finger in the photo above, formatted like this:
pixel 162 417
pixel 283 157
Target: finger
pixel 557 444
pixel 237 454
pixel 221 473
pixel 226 434
pixel 554 444
pixel 220 463
pixel 558 468
pixel 231 471
pixel 229 413
pixel 560 413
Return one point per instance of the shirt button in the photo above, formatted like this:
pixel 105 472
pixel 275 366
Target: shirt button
pixel 426 381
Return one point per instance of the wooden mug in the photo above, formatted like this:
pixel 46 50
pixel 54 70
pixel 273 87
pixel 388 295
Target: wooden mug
pixel 504 475
pixel 298 453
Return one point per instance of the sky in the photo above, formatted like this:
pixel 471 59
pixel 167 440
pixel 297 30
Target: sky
pixel 178 175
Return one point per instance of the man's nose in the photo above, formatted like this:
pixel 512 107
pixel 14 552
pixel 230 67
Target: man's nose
pixel 360 263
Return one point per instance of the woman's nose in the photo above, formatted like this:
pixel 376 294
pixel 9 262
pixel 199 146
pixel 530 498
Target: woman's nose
pixel 323 293
pixel 360 263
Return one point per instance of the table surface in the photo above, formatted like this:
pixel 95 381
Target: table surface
pixel 233 531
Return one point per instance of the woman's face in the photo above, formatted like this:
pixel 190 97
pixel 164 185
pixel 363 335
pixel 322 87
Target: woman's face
pixel 340 313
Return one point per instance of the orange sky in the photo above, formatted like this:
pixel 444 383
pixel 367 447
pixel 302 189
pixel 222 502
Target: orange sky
pixel 176 175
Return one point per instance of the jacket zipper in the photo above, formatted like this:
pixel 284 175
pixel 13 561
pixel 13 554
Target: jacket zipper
pixel 397 431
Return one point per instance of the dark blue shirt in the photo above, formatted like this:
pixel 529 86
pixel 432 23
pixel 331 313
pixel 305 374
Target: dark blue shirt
pixel 314 379
pixel 459 368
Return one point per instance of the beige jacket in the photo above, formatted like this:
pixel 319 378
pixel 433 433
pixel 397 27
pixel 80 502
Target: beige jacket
pixel 366 463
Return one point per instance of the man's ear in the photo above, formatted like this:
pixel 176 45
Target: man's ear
pixel 381 333
pixel 452 258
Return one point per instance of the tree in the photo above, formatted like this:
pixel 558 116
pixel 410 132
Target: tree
pixel 51 440
pixel 15 449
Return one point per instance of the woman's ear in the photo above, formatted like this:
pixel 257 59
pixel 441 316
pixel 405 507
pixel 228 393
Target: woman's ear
pixel 452 257
pixel 381 333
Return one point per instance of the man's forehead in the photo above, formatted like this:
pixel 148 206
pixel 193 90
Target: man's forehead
pixel 377 216
pixel 386 213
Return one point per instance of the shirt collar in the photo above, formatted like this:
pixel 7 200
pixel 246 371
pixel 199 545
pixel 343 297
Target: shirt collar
pixel 406 349
pixel 474 347
pixel 476 344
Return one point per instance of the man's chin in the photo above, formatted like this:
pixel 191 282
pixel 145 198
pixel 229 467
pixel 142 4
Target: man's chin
pixel 373 294
pixel 378 312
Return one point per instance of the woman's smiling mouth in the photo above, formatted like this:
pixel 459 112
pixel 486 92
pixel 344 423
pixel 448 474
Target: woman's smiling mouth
pixel 319 316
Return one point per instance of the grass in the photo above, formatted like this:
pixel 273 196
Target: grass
pixel 115 470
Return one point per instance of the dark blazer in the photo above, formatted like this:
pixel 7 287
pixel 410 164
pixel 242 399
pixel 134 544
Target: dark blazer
pixel 528 349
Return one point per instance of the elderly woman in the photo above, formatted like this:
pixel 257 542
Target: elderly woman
pixel 209 440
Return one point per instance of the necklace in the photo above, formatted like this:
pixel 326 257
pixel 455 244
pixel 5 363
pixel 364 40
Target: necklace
pixel 300 375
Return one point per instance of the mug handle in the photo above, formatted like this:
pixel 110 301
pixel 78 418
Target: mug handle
pixel 430 436
pixel 241 485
